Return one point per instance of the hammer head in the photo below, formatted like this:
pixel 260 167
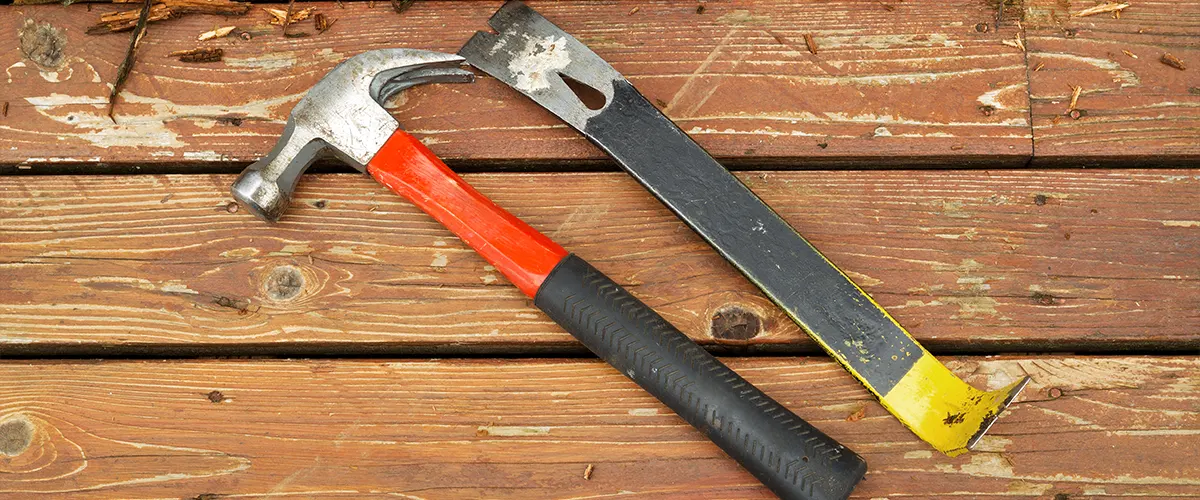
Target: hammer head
pixel 341 116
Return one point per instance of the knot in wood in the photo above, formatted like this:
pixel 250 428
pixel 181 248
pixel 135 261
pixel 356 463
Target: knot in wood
pixel 16 433
pixel 43 44
pixel 284 283
pixel 734 322
pixel 1043 299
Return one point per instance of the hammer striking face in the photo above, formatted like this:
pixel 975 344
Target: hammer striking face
pixel 341 116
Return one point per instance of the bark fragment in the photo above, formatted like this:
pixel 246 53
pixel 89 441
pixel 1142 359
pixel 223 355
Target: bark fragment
pixel 199 54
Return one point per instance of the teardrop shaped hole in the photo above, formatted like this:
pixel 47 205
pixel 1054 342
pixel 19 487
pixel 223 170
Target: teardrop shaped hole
pixel 590 97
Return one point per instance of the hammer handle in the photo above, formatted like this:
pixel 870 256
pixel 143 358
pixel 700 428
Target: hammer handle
pixel 412 171
pixel 789 455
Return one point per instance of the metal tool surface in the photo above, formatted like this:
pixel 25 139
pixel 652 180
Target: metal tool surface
pixel 536 57
pixel 341 116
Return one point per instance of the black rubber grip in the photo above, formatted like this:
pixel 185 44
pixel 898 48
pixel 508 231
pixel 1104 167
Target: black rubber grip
pixel 790 456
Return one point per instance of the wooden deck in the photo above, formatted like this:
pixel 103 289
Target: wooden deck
pixel 156 342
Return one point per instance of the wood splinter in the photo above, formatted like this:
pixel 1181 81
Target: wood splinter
pixel 1075 91
pixel 216 33
pixel 812 44
pixel 166 9
pixel 322 23
pixel 1015 42
pixel 278 15
pixel 587 473
pixel 127 63
pixel 1102 8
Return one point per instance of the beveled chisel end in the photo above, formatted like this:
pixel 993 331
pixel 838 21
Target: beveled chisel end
pixel 1010 393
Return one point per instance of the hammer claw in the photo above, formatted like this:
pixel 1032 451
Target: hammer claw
pixel 343 117
pixel 392 81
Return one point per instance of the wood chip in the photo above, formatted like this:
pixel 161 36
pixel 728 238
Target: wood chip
pixel 587 473
pixel 1039 66
pixel 217 33
pixel 322 23
pixel 1075 90
pixel 1102 8
pixel 634 10
pixel 199 54
pixel 812 44
pixel 1172 61
pixel 857 415
pixel 1130 54
pixel 278 15
pixel 399 6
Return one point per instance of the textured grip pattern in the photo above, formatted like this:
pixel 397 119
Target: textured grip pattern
pixel 786 453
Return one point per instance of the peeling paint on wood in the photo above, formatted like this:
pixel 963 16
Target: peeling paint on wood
pixel 754 98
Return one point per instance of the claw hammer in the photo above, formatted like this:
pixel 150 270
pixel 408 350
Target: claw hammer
pixel 342 116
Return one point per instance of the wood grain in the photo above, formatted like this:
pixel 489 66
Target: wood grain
pixel 1133 109
pixel 969 261
pixel 891 85
pixel 1086 427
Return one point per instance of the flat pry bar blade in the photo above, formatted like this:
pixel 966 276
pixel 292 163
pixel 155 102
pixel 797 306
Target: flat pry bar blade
pixel 531 54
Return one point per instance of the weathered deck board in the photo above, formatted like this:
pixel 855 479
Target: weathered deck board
pixel 1086 426
pixel 1134 111
pixel 970 261
pixel 890 85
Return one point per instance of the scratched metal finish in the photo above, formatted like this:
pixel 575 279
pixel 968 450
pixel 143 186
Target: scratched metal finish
pixel 753 237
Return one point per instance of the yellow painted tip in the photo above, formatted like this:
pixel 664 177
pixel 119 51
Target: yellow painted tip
pixel 943 410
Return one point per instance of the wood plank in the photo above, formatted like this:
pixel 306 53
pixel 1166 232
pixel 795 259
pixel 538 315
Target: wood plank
pixel 969 261
pixel 1090 426
pixel 737 77
pixel 1133 109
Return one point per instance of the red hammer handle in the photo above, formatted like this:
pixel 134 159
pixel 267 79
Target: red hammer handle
pixel 411 170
